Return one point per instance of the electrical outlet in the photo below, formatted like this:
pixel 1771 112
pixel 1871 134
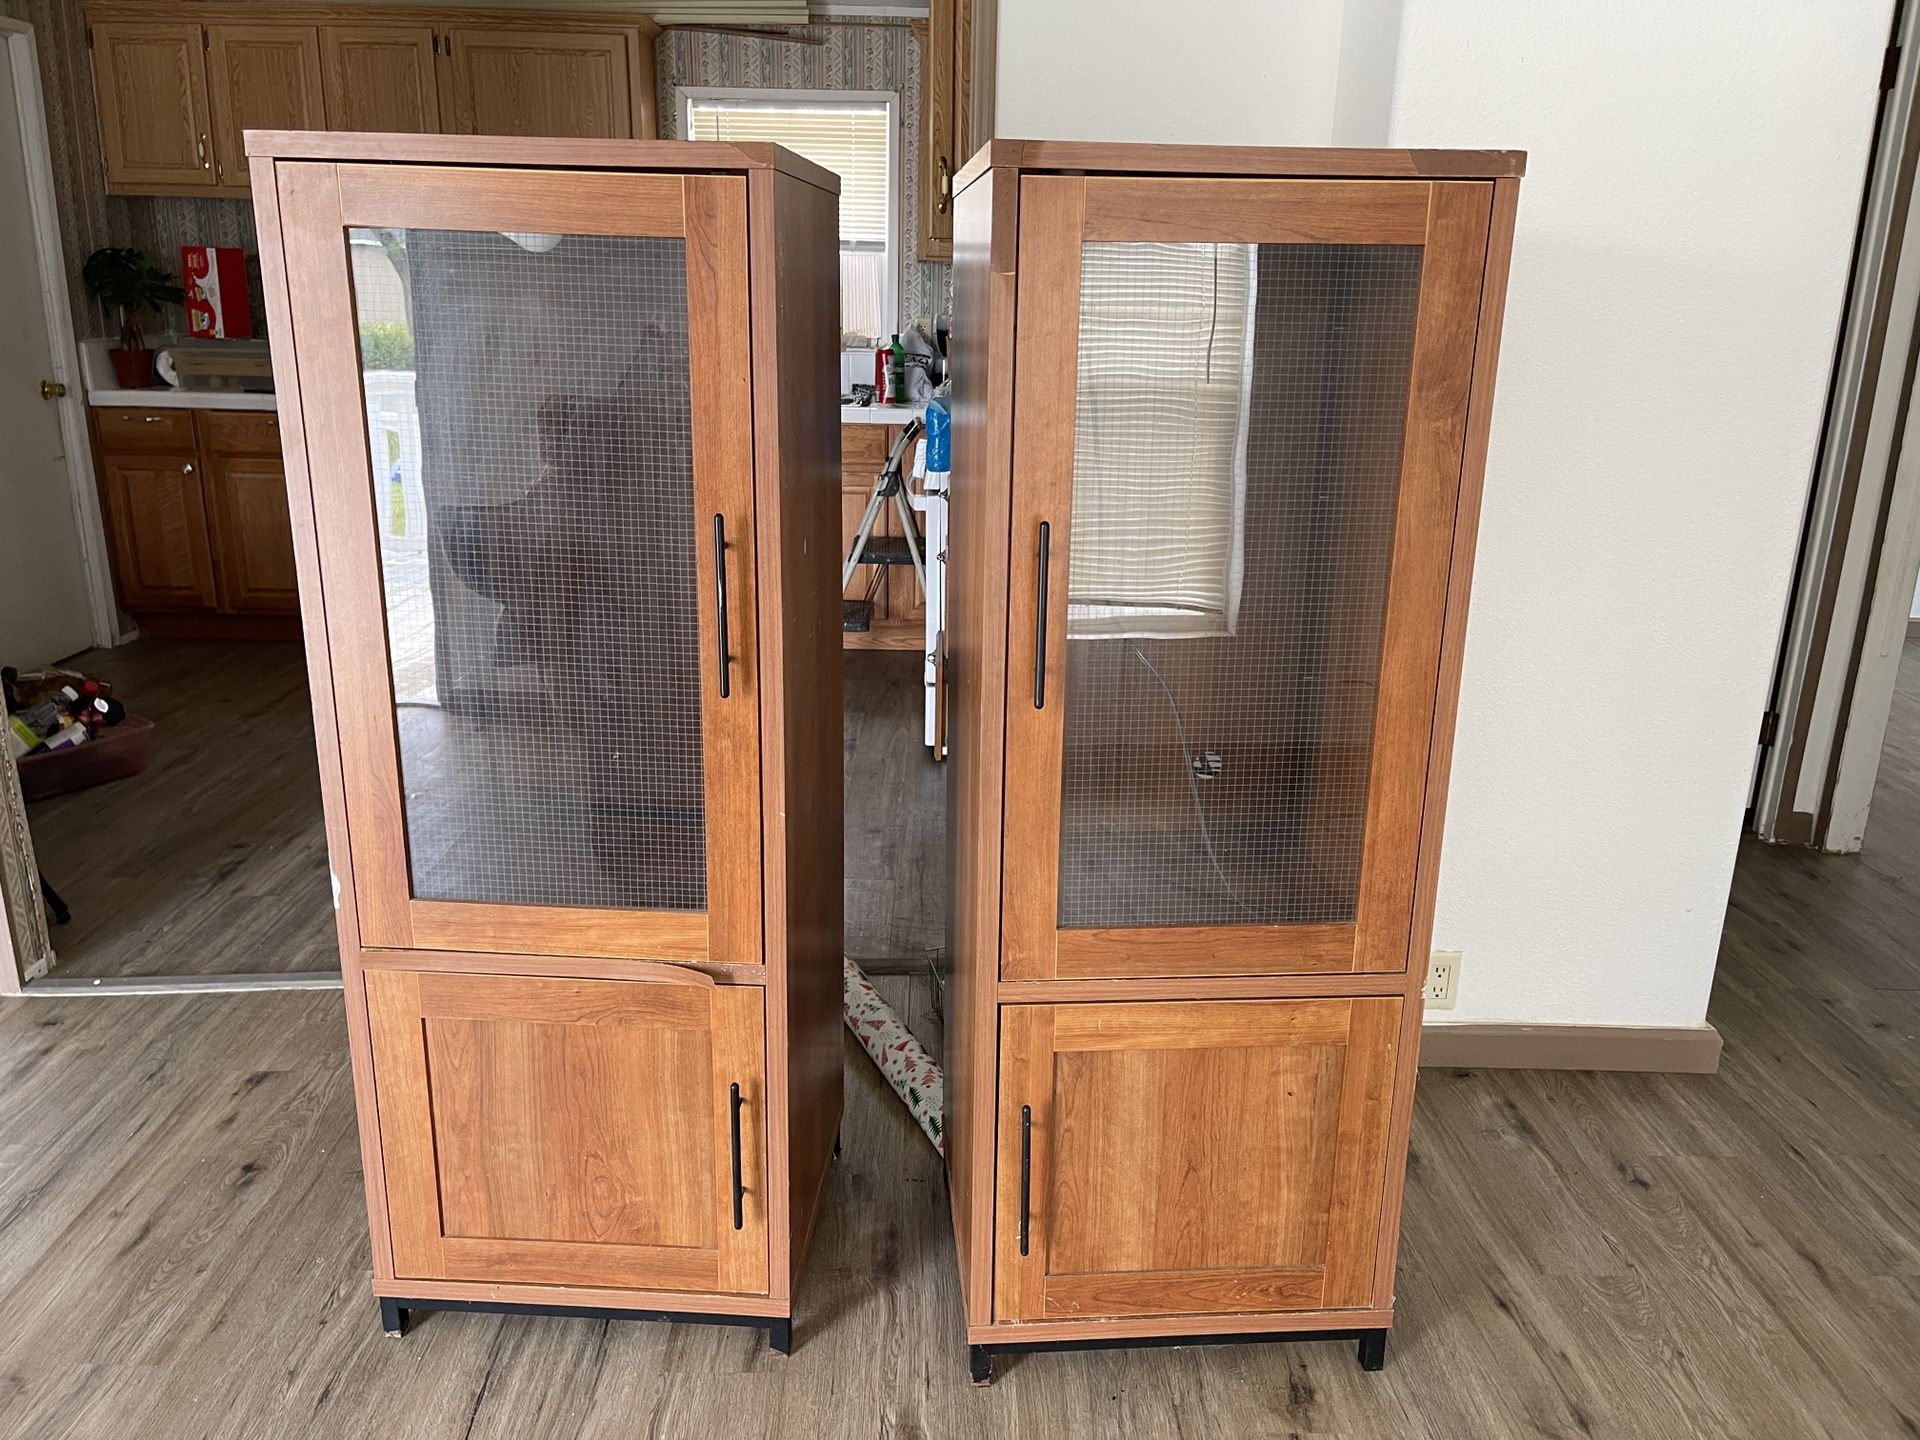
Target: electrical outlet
pixel 1443 979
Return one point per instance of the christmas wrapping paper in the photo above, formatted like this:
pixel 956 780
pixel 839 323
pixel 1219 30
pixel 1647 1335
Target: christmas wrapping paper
pixel 901 1058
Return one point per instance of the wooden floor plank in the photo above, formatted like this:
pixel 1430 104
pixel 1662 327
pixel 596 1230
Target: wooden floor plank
pixel 182 1250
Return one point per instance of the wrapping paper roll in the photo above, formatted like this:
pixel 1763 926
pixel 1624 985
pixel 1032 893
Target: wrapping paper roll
pixel 915 1078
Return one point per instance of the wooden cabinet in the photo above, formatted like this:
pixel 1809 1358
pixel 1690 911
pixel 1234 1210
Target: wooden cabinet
pixel 156 509
pixel 246 486
pixel 150 81
pixel 1209 1158
pixel 1205 641
pixel 380 77
pixel 533 82
pixel 607 934
pixel 197 510
pixel 575 1132
pixel 179 85
pixel 956 109
pixel 260 77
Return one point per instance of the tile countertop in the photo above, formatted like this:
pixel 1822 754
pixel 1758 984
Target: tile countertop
pixel 96 373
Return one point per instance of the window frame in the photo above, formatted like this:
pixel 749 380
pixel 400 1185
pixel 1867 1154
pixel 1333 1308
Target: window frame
pixel 773 98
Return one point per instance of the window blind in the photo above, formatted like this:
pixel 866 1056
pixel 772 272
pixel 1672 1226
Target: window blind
pixel 850 140
pixel 1160 438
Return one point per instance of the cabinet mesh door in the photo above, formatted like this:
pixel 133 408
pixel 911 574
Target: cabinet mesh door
pixel 527 406
pixel 1236 466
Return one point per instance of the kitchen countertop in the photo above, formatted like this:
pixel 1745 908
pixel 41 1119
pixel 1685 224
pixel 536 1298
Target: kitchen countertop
pixel 880 414
pixel 165 397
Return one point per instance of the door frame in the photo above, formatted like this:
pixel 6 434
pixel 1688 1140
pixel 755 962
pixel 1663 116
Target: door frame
pixel 1058 215
pixel 318 201
pixel 1846 619
pixel 89 524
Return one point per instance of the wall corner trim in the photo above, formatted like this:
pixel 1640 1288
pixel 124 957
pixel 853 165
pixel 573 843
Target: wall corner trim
pixel 1667 1049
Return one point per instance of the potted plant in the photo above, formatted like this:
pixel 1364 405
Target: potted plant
pixel 130 281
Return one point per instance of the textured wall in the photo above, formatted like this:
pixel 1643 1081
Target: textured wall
pixel 858 56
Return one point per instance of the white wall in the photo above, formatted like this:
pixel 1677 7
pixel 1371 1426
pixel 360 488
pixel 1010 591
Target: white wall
pixel 1695 173
pixel 1203 71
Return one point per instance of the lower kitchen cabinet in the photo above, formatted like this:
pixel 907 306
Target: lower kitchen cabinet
pixel 156 511
pixel 545 1131
pixel 1191 1158
pixel 196 505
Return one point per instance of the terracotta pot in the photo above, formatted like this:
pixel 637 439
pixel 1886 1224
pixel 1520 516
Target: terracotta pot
pixel 132 368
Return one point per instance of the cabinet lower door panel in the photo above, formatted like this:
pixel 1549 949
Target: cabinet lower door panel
pixel 572 1132
pixel 1191 1158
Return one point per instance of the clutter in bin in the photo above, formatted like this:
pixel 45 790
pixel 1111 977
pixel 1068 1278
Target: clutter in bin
pixel 55 709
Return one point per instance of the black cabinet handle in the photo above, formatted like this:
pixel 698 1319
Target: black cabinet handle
pixel 739 1186
pixel 1040 627
pixel 1026 1171
pixel 720 609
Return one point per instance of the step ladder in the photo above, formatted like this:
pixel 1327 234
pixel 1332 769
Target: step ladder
pixel 883 551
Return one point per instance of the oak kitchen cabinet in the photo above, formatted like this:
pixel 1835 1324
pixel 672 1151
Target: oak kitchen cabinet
pixel 196 512
pixel 178 85
pixel 1202 711
pixel 956 108
pixel 578 707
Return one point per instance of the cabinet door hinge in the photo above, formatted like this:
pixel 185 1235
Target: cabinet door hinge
pixel 1890 67
pixel 1769 726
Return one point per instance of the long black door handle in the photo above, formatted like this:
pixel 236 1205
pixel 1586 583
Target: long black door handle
pixel 1040 625
pixel 739 1186
pixel 720 609
pixel 1026 1174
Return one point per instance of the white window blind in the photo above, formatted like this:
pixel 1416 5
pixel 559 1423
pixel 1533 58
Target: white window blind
pixel 1160 438
pixel 855 140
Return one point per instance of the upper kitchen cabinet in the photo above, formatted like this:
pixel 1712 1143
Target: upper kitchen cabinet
pixel 259 77
pixel 956 108
pixel 180 84
pixel 518 81
pixel 380 77
pixel 151 80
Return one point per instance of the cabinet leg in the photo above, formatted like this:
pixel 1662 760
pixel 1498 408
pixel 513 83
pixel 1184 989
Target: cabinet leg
pixel 780 1336
pixel 393 1319
pixel 1373 1350
pixel 980 1364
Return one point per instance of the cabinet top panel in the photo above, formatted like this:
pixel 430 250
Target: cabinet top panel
pixel 696 156
pixel 1094 157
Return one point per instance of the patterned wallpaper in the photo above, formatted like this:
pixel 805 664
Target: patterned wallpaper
pixel 855 56
pixel 873 55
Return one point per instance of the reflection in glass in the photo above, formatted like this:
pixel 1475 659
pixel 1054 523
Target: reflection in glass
pixel 1236 467
pixel 528 422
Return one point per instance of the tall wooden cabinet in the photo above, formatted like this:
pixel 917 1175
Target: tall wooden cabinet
pixel 1219 423
pixel 575 677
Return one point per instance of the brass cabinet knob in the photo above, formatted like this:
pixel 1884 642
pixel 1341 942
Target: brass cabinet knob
pixel 52 390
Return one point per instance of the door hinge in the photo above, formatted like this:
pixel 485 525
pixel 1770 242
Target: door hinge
pixel 1769 726
pixel 1890 67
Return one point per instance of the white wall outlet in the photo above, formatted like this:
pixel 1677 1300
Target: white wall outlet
pixel 1443 979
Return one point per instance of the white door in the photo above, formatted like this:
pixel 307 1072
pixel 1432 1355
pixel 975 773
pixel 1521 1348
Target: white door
pixel 45 606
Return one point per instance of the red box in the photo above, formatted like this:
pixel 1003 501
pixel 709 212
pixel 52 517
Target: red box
pixel 216 286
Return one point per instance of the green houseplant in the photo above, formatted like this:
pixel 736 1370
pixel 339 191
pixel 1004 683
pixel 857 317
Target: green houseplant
pixel 130 281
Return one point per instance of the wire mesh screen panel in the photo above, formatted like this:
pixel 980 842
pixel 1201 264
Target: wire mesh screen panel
pixel 1237 451
pixel 528 417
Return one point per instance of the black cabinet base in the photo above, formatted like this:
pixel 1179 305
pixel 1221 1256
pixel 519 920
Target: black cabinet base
pixel 1373 1346
pixel 394 1315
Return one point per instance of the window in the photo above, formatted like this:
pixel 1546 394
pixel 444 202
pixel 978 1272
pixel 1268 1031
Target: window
pixel 1160 438
pixel 853 134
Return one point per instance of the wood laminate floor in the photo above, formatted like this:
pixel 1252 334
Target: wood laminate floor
pixel 182 1249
